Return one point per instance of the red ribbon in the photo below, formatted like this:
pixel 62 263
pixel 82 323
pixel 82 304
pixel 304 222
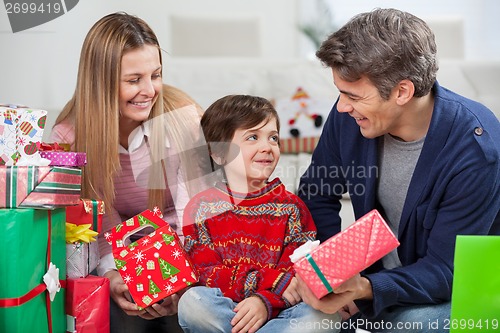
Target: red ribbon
pixel 43 146
pixel 10 302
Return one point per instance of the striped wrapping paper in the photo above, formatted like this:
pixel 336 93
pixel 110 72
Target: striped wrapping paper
pixel 39 187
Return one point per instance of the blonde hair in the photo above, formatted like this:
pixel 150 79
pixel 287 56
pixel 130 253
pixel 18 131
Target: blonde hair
pixel 94 107
pixel 181 122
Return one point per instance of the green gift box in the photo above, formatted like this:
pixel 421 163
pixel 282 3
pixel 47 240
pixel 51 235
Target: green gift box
pixel 30 239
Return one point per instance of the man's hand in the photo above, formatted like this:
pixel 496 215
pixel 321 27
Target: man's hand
pixel 251 314
pixel 356 287
pixel 348 310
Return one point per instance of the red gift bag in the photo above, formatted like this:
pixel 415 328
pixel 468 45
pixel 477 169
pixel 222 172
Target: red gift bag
pixel 154 266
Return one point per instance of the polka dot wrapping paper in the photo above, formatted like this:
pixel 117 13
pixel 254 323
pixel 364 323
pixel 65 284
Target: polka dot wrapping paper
pixel 63 158
pixel 345 254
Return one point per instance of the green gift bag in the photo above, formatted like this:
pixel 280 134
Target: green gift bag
pixel 475 301
pixel 26 236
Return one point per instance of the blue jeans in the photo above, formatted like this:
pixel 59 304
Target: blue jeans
pixel 203 309
pixel 410 319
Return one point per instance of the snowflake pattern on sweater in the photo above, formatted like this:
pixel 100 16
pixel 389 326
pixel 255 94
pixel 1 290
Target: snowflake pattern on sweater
pixel 241 243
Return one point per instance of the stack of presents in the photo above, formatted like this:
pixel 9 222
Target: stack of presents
pixel 49 250
pixel 48 239
pixel 46 286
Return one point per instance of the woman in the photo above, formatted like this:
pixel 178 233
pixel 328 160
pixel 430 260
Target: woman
pixel 137 134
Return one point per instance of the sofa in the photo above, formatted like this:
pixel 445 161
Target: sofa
pixel 207 79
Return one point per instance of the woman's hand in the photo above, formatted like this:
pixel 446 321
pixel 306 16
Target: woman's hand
pixel 120 294
pixel 167 307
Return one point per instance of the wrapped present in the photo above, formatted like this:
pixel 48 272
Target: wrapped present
pixel 31 243
pixel 327 266
pixel 81 259
pixel 155 266
pixel 87 305
pixel 39 187
pixel 88 211
pixel 82 251
pixel 58 155
pixel 20 129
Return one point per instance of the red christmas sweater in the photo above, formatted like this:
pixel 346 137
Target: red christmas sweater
pixel 241 243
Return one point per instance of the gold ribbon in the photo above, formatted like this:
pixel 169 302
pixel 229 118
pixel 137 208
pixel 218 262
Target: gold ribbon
pixel 79 233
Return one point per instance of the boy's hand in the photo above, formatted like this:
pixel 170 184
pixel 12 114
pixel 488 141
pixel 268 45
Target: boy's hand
pixel 291 293
pixel 251 314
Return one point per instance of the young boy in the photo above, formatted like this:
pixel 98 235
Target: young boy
pixel 241 232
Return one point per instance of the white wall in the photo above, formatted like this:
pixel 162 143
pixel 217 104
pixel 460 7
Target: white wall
pixel 481 18
pixel 38 67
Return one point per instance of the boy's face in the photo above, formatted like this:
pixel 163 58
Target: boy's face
pixel 252 157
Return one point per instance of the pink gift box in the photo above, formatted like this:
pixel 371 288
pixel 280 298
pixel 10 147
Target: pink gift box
pixel 65 158
pixel 346 254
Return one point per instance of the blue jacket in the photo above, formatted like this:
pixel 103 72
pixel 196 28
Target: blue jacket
pixel 455 189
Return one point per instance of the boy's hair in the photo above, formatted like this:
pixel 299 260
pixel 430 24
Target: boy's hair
pixel 230 113
pixel 386 46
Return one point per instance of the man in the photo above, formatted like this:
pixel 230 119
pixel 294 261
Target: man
pixel 425 157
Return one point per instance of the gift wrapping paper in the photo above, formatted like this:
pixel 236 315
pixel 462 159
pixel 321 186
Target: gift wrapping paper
pixel 346 254
pixel 39 187
pixel 20 129
pixel 88 211
pixel 63 158
pixel 87 305
pixel 155 266
pixel 81 259
pixel 29 239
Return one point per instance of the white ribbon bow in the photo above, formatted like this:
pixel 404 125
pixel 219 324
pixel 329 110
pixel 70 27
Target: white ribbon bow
pixel 303 250
pixel 33 160
pixel 51 280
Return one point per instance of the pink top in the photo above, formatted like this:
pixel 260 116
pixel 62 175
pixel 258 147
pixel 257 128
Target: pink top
pixel 131 193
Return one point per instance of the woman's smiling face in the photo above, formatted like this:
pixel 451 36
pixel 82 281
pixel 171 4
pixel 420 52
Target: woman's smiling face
pixel 140 82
